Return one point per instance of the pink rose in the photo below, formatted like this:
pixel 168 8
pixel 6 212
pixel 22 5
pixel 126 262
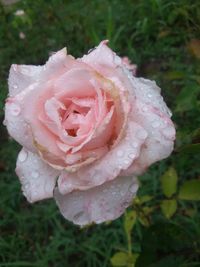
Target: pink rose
pixel 88 127
pixel 129 65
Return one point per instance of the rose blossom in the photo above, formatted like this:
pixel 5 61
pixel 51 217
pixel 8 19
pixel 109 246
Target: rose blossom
pixel 88 127
pixel 129 65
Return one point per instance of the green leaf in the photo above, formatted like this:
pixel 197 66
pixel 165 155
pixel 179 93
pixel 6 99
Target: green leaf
pixel 190 149
pixel 143 220
pixel 145 198
pixel 120 259
pixel 187 98
pixel 190 190
pixel 174 75
pixel 169 207
pixel 169 182
pixel 124 259
pixel 133 259
pixel 130 219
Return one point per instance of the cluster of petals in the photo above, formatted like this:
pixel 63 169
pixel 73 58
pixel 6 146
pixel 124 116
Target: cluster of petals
pixel 88 128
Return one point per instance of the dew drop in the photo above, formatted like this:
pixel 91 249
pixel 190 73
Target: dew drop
pixel 144 109
pixel 131 155
pixel 169 132
pixel 134 145
pixel 15 86
pixel 155 124
pixel 23 156
pixel 149 95
pixel 15 109
pixel 117 60
pixel 35 174
pixel 126 161
pixel 120 153
pixel 141 134
pixel 15 67
pixel 4 122
pixel 133 188
pixel 26 186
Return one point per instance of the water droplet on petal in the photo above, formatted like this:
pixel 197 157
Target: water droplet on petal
pixel 35 174
pixel 149 95
pixel 15 109
pixel 155 124
pixel 144 109
pixel 133 188
pixel 134 145
pixel 26 186
pixel 117 60
pixel 15 67
pixel 120 153
pixel 131 155
pixel 169 132
pixel 126 161
pixel 120 166
pixel 5 122
pixel 15 86
pixel 23 156
pixel 141 134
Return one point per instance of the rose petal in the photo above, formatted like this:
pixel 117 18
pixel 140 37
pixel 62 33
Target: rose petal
pixel 132 67
pixel 160 141
pixel 99 204
pixel 74 83
pixel 148 92
pixel 37 178
pixel 108 167
pixel 102 58
pixel 16 125
pixel 21 76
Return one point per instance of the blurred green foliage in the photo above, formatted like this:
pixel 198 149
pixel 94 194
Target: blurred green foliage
pixel 162 227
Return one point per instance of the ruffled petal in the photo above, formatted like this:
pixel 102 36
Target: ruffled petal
pixel 147 92
pixel 37 178
pixel 16 125
pixel 74 83
pixel 99 204
pixel 21 76
pixel 160 141
pixel 107 168
pixel 102 58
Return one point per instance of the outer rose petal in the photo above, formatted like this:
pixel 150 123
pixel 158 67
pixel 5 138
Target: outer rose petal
pixel 147 92
pixel 16 125
pixel 102 58
pixel 21 76
pixel 160 141
pixel 132 67
pixel 37 178
pixel 109 166
pixel 99 204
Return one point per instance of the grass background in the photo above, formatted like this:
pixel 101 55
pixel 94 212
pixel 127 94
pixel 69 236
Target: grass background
pixel 162 38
